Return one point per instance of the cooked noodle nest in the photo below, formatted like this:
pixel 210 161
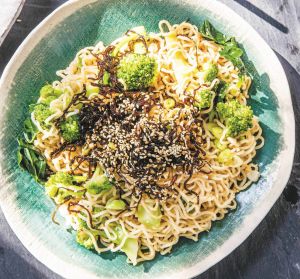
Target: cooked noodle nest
pixel 207 195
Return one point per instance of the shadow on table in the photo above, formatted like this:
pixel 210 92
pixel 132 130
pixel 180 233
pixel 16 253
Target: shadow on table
pixel 274 245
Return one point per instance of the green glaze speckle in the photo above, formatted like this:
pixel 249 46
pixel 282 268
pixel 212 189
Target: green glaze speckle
pixel 104 20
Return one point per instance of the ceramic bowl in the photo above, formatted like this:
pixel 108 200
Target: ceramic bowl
pixel 51 46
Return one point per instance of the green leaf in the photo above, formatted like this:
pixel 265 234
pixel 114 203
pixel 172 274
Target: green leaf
pixel 233 53
pixel 208 31
pixel 31 160
pixel 30 130
pixel 231 50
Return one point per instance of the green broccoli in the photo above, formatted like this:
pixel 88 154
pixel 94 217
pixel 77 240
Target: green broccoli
pixel 98 182
pixel 48 100
pixel 203 99
pixel 41 112
pixel 210 73
pixel 70 129
pixel 59 178
pixel 48 90
pixel 137 71
pixel 48 94
pixel 237 117
pixel 82 236
pixel 61 185
pixel 84 239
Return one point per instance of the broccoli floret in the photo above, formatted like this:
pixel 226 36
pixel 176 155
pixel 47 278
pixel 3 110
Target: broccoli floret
pixel 41 112
pixel 63 179
pixel 211 73
pixel 137 71
pixel 82 236
pixel 203 99
pixel 48 90
pixel 48 100
pixel 237 117
pixel 48 94
pixel 70 129
pixel 84 239
pixel 98 182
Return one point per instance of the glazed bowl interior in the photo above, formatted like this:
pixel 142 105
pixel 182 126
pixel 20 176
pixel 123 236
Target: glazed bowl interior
pixel 52 47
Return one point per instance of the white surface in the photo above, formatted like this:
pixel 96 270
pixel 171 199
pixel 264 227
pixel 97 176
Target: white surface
pixel 9 11
pixel 279 85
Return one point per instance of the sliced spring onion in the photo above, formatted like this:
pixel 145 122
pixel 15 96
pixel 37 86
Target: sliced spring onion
pixel 169 103
pixel 106 77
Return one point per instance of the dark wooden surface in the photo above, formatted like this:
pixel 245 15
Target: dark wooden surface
pixel 273 249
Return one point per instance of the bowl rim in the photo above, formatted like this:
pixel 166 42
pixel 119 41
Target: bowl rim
pixel 249 223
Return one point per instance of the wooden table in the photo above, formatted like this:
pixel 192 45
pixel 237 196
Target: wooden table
pixel 273 249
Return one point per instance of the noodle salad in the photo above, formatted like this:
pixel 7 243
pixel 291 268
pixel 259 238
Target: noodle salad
pixel 145 140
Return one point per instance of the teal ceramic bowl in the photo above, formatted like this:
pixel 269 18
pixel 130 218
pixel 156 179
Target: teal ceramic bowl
pixel 51 46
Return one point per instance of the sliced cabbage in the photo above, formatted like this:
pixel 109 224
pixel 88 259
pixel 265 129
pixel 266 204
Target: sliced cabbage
pixel 130 246
pixel 181 67
pixel 216 130
pixel 220 146
pixel 171 39
pixel 149 214
pixel 225 157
